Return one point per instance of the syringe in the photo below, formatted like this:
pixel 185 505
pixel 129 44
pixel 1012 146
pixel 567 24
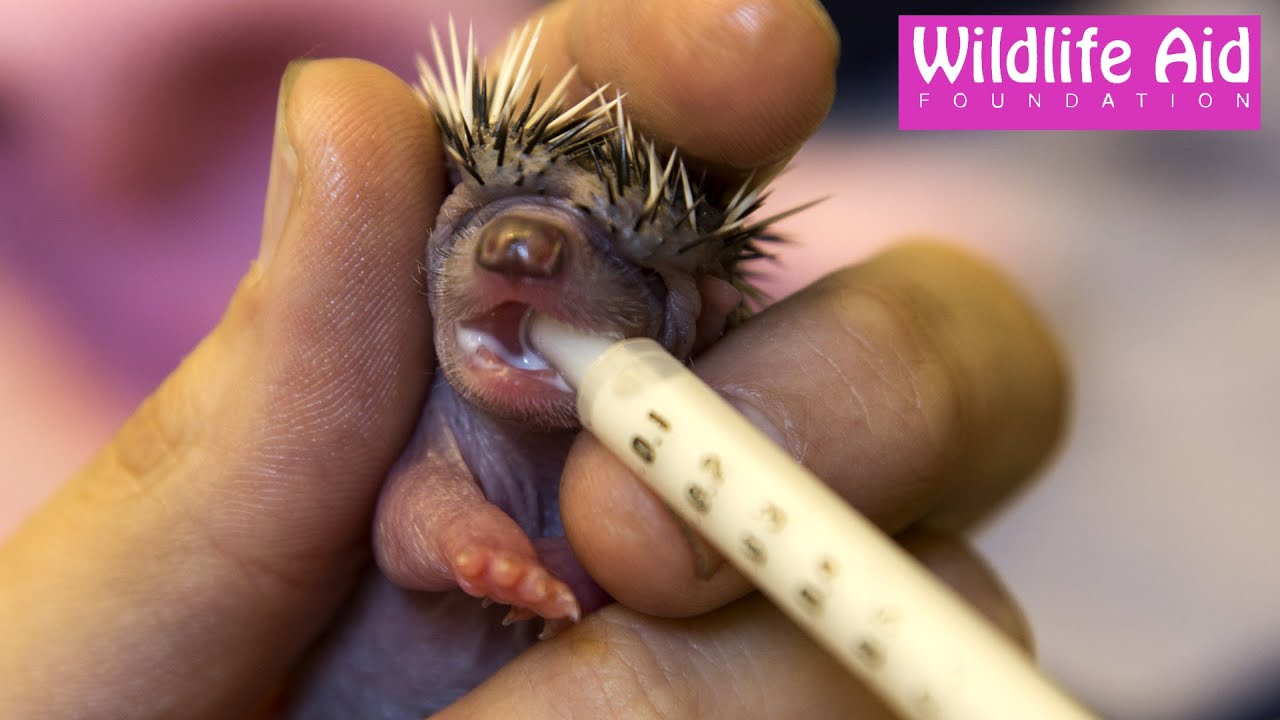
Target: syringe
pixel 917 644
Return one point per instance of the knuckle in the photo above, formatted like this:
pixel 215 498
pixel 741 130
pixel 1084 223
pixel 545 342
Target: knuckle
pixel 901 370
pixel 978 374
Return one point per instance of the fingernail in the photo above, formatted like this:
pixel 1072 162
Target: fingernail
pixel 707 561
pixel 282 181
pixel 749 403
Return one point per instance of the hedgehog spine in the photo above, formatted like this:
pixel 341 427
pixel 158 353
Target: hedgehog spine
pixel 659 217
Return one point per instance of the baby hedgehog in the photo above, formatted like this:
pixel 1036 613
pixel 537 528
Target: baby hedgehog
pixel 561 208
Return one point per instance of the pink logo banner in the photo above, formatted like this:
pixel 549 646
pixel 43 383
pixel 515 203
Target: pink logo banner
pixel 1079 72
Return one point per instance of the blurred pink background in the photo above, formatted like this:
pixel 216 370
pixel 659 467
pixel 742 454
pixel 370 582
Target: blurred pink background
pixel 134 140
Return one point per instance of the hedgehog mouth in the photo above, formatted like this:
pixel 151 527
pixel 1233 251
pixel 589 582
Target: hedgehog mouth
pixel 497 342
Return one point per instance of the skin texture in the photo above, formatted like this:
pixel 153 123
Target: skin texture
pixel 215 539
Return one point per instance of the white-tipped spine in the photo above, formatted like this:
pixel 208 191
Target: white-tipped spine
pixel 502 131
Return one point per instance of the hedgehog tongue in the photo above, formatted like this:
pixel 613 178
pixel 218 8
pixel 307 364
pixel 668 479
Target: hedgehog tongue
pixel 500 332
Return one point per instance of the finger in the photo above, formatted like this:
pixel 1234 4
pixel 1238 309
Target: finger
pixel 744 661
pixel 916 384
pixel 204 547
pixel 953 560
pixel 765 74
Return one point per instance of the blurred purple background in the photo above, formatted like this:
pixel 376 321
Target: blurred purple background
pixel 134 140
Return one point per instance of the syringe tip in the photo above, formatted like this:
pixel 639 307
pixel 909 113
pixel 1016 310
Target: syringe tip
pixel 568 349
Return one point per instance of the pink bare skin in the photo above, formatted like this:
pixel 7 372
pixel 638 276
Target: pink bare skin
pixel 474 501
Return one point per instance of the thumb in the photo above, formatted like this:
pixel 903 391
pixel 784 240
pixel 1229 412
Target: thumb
pixel 207 544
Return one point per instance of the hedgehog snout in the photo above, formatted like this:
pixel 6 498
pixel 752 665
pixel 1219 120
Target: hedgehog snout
pixel 520 246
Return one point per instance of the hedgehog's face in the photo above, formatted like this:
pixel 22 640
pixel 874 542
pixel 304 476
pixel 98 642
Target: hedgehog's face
pixel 489 264
pixel 567 211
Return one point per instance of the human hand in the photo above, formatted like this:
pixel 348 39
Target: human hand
pixel 190 566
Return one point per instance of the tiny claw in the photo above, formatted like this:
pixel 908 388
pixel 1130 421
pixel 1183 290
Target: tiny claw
pixel 486 602
pixel 566 596
pixel 552 628
pixel 517 614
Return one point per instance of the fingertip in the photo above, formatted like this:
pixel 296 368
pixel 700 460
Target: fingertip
pixel 330 333
pixel 344 279
pixel 956 563
pixel 736 84
pixel 632 545
pixel 358 128
pixel 1008 370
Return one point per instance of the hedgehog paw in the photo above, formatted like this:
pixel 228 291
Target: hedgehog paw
pixel 510 579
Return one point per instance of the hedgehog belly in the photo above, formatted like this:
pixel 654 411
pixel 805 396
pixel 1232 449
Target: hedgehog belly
pixel 403 655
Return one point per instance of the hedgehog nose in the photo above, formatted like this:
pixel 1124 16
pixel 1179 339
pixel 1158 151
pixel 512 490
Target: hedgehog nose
pixel 519 246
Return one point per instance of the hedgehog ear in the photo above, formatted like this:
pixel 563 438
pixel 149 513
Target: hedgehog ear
pixel 719 299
